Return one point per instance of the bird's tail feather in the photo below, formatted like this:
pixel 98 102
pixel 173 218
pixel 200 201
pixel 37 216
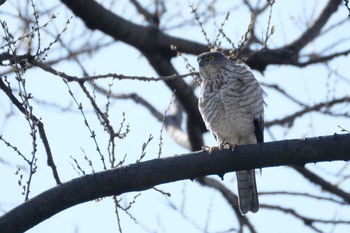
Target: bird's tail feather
pixel 247 192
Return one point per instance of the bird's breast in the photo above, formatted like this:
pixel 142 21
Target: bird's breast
pixel 232 126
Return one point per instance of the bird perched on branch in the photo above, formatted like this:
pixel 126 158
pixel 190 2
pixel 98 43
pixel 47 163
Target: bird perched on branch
pixel 232 107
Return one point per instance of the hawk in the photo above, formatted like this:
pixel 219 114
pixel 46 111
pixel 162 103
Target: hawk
pixel 232 107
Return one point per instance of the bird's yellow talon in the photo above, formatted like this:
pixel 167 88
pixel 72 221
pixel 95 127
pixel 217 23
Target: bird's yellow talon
pixel 210 149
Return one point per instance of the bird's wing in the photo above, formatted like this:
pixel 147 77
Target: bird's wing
pixel 242 92
pixel 259 129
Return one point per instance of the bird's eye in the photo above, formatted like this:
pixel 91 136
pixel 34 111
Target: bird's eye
pixel 211 58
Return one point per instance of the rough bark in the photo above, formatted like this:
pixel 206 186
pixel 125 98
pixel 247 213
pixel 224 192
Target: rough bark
pixel 144 175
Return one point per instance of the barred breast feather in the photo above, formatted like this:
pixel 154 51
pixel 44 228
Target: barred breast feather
pixel 232 107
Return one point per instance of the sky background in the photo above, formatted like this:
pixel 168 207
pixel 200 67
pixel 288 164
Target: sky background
pixel 153 211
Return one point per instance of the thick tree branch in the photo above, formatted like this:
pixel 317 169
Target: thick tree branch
pixel 152 39
pixel 144 175
pixel 145 38
pixel 315 29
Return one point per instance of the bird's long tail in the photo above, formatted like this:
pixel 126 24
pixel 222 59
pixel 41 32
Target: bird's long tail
pixel 247 192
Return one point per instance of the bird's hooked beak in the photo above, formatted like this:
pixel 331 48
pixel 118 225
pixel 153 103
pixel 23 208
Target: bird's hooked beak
pixel 200 61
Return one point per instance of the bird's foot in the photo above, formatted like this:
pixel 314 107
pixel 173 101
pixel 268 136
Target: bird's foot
pixel 210 149
pixel 229 146
pixel 221 146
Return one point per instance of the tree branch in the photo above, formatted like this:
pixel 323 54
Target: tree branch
pixel 150 18
pixel 159 171
pixel 50 162
pixel 152 40
pixel 315 29
pixel 322 183
pixel 185 95
pixel 289 120
pixel 231 198
pixel 145 38
pixel 155 45
pixel 322 59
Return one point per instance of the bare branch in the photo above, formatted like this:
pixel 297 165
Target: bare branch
pixel 230 197
pixel 320 59
pixel 42 133
pixel 310 222
pixel 283 92
pixel 300 194
pixel 71 78
pixel 150 18
pixel 289 120
pixel 80 107
pixel 197 18
pixel 346 3
pixel 322 183
pixel 315 29
pixel 145 175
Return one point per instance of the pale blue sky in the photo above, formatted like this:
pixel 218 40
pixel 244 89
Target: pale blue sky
pixel 68 135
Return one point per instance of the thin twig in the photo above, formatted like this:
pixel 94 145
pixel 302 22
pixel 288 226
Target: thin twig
pixel 163 124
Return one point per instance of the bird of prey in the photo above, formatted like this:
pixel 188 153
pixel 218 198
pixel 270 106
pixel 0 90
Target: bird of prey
pixel 232 107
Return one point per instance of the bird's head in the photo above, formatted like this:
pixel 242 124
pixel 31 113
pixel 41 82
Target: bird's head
pixel 211 64
pixel 216 59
